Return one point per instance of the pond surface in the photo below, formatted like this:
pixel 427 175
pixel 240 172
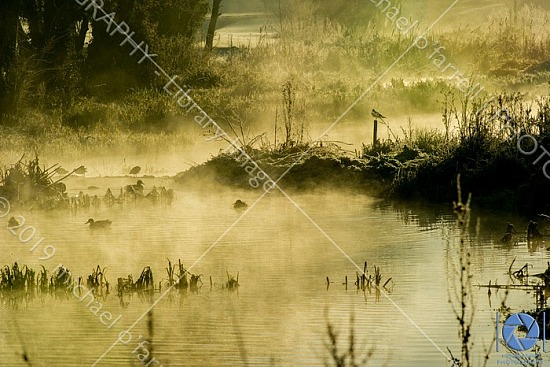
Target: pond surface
pixel 278 316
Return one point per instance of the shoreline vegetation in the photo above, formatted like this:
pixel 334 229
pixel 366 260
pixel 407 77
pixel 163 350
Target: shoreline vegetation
pixel 27 282
pixel 271 94
pixel 421 165
pixel 68 88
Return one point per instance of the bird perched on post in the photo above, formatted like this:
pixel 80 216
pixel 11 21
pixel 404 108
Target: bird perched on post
pixel 376 114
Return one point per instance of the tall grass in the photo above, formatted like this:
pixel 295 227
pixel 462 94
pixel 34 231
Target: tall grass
pixel 462 301
pixel 476 145
pixel 329 64
pixel 509 41
pixel 461 287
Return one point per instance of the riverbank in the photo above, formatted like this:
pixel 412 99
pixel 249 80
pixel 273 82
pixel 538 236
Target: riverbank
pixel 503 182
pixel 421 166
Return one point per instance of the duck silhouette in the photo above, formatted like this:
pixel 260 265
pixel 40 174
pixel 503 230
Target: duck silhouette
pixel 98 224
pixel 13 222
pixel 80 170
pixel 138 187
pixel 136 190
pixel 239 204
pixel 533 232
pixel 508 234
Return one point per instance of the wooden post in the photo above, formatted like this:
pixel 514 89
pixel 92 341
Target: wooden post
pixel 375 133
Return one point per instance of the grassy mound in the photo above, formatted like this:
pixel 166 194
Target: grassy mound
pixel 423 165
pixel 304 167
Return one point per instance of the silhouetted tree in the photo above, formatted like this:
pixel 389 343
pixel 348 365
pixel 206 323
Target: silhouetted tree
pixel 212 24
pixel 153 21
pixel 44 32
pixel 9 25
pixel 53 31
pixel 51 36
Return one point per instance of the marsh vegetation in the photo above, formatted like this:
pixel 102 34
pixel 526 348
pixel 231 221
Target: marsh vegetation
pixel 88 133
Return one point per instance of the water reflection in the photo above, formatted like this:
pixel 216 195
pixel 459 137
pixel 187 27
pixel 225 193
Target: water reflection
pixel 280 310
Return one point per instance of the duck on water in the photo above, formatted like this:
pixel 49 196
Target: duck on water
pixel 13 223
pixel 239 204
pixel 99 223
pixel 136 189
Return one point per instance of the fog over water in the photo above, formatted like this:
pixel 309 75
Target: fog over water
pixel 129 236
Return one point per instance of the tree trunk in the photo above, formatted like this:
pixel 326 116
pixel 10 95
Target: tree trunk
pixel 9 22
pixel 82 32
pixel 212 25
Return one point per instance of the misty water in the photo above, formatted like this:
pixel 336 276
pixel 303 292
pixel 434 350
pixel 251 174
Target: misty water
pixel 282 251
pixel 279 314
